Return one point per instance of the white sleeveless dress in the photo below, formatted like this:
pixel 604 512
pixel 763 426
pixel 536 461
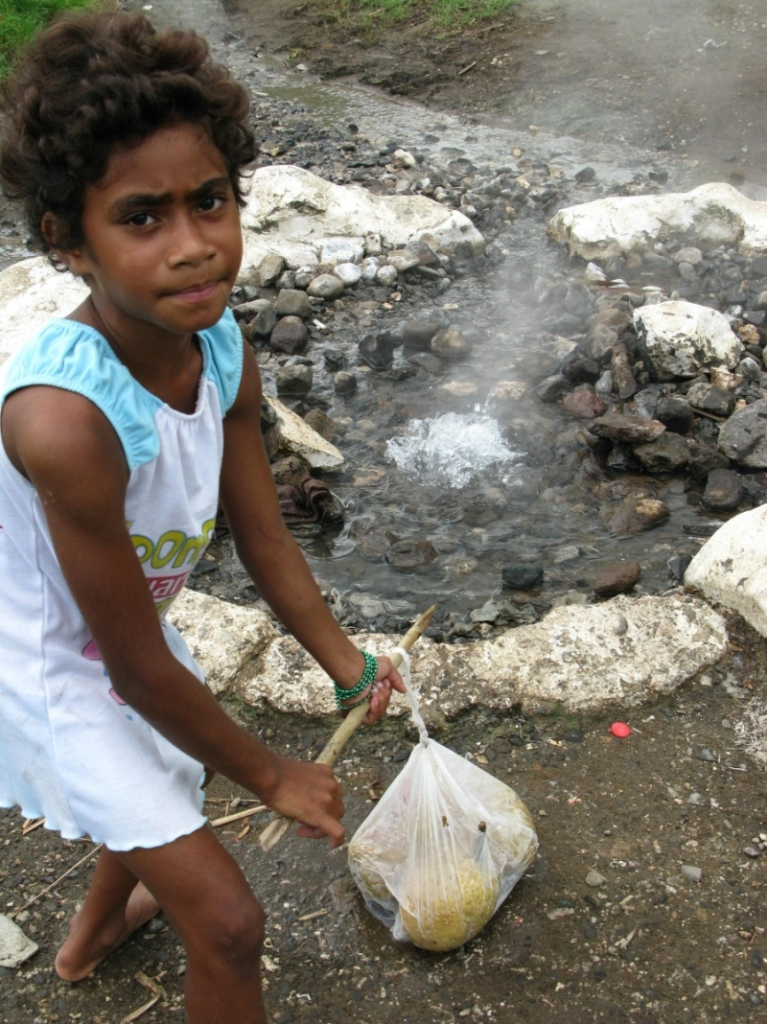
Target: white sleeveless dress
pixel 70 749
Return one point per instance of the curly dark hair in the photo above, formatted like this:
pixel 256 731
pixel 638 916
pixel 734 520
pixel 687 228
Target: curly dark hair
pixel 91 80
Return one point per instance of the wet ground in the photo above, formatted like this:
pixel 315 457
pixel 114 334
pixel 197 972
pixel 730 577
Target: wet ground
pixel 649 945
pixel 685 76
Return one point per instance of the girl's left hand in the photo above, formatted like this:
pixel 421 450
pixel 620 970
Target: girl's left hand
pixel 387 679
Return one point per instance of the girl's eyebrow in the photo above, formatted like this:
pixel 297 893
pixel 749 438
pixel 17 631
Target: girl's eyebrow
pixel 143 200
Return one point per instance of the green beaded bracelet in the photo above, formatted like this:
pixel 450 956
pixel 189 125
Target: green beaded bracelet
pixel 368 677
pixel 348 707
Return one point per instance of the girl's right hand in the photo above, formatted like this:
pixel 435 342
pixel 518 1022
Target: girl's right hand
pixel 310 795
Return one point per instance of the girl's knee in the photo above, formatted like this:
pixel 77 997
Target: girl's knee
pixel 234 934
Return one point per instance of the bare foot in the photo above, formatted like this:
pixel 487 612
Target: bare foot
pixel 85 948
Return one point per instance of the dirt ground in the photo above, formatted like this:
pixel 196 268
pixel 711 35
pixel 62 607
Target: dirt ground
pixel 650 944
pixel 687 77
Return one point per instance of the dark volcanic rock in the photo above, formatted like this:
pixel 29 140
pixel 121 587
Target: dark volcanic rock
pixel 665 454
pixel 289 470
pixel 407 555
pixel 264 322
pixel 290 335
pixel 293 302
pixel 617 579
pixel 675 412
pixel 584 404
pixel 677 566
pixel 628 429
pixel 743 438
pixel 372 541
pixel 377 350
pixel 600 341
pixel 450 344
pixel 334 358
pixel 579 368
pixel 522 576
pixel 321 422
pixel 552 388
pixel 294 380
pixel 624 381
pixel 704 459
pixel 724 491
pixel 418 333
pixel 711 399
pixel 344 383
pixel 425 361
pixel 635 514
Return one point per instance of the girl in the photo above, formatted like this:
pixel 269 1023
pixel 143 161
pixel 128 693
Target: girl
pixel 121 425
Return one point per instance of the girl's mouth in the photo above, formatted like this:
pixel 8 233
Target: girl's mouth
pixel 197 292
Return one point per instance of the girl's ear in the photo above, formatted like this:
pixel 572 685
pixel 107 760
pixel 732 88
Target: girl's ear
pixel 53 233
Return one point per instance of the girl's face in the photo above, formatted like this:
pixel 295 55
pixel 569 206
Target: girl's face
pixel 162 241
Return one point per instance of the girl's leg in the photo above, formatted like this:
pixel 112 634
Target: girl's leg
pixel 210 905
pixel 116 904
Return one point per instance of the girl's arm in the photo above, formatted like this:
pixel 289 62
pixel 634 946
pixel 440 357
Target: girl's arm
pixel 68 451
pixel 271 556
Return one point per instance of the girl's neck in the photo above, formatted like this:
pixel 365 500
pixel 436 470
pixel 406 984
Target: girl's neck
pixel 167 365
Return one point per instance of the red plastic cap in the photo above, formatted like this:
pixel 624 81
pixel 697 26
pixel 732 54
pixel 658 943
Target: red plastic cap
pixel 620 729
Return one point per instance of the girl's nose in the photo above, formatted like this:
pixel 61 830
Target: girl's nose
pixel 189 243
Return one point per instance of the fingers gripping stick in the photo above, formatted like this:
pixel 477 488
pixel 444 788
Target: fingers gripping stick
pixel 277 828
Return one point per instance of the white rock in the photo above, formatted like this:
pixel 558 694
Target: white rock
pixel 403 158
pixel 730 570
pixel 221 636
pixel 402 260
pixel 386 275
pixel 373 243
pixel 690 254
pixel 713 214
pixel 15 946
pixel 298 438
pixel 369 268
pixel 294 212
pixel 679 339
pixel 31 292
pixel 342 250
pixel 575 656
pixel 349 273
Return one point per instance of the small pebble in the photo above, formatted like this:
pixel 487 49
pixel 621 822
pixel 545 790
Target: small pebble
pixel 704 755
pixel 594 879
pixel 693 874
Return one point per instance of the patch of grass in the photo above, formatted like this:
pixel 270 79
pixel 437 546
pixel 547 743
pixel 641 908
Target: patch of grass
pixel 20 19
pixel 448 14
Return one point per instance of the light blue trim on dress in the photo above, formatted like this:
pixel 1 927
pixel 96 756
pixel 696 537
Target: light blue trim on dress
pixel 72 356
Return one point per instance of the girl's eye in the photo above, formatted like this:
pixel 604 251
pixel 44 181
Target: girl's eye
pixel 140 220
pixel 211 203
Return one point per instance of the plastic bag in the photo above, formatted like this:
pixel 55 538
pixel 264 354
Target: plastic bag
pixel 443 848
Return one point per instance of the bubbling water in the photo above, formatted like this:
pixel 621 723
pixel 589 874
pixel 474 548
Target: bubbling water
pixel 453 450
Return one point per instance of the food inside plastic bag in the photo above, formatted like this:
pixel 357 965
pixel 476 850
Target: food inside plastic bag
pixel 442 849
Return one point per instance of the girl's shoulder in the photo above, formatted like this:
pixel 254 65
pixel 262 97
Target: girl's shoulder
pixel 222 352
pixel 75 357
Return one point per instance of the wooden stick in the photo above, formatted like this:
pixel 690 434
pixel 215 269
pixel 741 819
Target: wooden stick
pixel 236 817
pixel 276 829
